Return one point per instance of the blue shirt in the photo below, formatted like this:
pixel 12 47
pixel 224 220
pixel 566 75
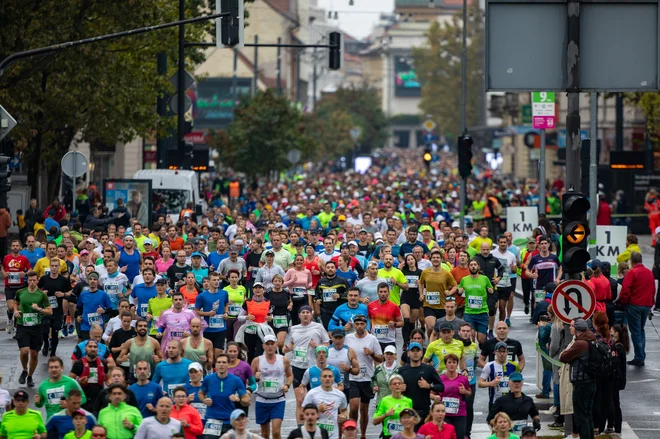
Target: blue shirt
pixel 315 375
pixel 147 394
pixel 219 390
pixel 215 258
pixel 50 222
pixel 344 314
pixel 200 274
pixel 131 262
pixel 349 275
pixel 34 256
pixel 60 423
pixel 87 305
pixel 208 301
pixel 143 293
pixel 196 402
pixel 172 375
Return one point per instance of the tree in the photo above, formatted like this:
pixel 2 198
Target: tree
pixel 439 71
pixel 265 128
pixel 362 105
pixel 101 93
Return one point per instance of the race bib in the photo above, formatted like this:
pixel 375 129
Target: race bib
pixel 217 322
pixel 518 426
pixel 94 319
pixel 280 321
pixel 171 387
pixel 433 298
pixel 143 309
pixel 30 319
pixel 475 302
pixel 381 331
pixel 201 409
pixel 394 426
pixel 327 426
pixel 299 292
pixel 191 306
pixel 176 335
pixel 14 278
pixel 539 295
pixel 310 292
pixel 47 271
pixel 111 288
pixel 213 427
pixel 470 372
pixel 53 301
pixel 504 385
pixel 328 293
pixel 451 404
pixel 55 395
pixel 412 281
pixel 300 354
pixel 254 272
pixel 251 329
pixel 363 371
pixel 233 310
pixel 270 386
pixel 93 375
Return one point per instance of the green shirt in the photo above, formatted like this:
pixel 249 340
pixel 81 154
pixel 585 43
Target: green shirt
pixel 237 296
pixel 112 419
pixel 155 307
pixel 72 435
pixel 476 294
pixel 440 350
pixel 395 291
pixel 391 424
pixel 25 299
pixel 325 218
pixel 16 426
pixel 51 393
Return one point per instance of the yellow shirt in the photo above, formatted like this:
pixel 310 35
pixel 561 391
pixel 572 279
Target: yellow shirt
pixel 439 350
pixel 42 267
pixel 435 286
pixel 476 242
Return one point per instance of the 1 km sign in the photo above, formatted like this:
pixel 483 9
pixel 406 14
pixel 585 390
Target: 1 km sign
pixel 573 299
pixel 521 221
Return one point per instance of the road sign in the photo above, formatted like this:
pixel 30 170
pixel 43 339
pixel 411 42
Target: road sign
pixel 610 242
pixel 573 299
pixel 74 163
pixel 355 133
pixel 522 221
pixel 174 104
pixel 543 110
pixel 429 137
pixel 7 122
pixel 429 125
pixel 577 234
pixel 293 156
pixel 14 163
pixel 188 80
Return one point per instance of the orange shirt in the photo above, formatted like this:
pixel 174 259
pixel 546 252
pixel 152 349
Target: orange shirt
pixel 188 295
pixel 459 273
pixel 176 244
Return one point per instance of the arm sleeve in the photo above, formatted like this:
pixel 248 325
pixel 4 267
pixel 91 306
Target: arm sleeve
pixel 252 384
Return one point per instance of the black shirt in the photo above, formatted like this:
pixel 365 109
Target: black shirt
pixel 518 409
pixel 297 434
pixel 118 338
pixel 92 390
pixel 421 397
pixel 176 274
pixel 340 285
pixel 279 302
pixel 514 347
pixel 60 283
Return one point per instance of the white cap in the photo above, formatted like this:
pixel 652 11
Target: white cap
pixel 353 243
pixel 455 224
pixel 196 366
pixel 270 337
pixel 390 350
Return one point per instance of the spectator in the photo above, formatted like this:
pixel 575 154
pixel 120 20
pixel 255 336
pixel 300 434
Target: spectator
pixel 638 295
pixel 656 265
pixel 632 245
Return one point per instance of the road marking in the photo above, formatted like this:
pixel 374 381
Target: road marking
pixel 478 413
pixel 643 381
pixel 656 413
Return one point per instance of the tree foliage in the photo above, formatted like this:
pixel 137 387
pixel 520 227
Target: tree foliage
pixel 438 68
pixel 104 92
pixel 360 105
pixel 265 128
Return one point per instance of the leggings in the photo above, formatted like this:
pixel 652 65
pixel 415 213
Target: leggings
pixel 459 424
pixel 254 346
pixel 527 290
pixel 469 403
pixel 53 323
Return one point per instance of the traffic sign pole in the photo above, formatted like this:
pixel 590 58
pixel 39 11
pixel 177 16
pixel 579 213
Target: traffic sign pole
pixel 543 117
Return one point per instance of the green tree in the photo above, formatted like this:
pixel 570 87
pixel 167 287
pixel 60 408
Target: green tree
pixel 438 68
pixel 265 128
pixel 362 105
pixel 101 93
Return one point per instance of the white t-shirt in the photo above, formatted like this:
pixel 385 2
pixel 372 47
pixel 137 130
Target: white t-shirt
pixel 335 400
pixel 507 259
pixel 5 399
pixel 151 428
pixel 326 257
pixel 365 361
pixel 303 356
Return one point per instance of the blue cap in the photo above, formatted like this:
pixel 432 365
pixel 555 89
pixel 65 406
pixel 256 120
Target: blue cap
pixel 414 345
pixel 237 413
pixel 516 376
pixel 195 254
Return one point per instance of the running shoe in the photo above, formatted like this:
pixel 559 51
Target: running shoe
pixel 526 309
pixel 556 426
pixel 508 322
pixel 21 379
pixel 30 381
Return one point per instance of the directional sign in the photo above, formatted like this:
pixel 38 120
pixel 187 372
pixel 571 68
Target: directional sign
pixel 522 221
pixel 188 79
pixel 543 110
pixel 576 233
pixel 573 299
pixel 7 123
pixel 610 242
pixel 429 125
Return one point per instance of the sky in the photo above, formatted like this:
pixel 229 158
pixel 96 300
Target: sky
pixel 357 20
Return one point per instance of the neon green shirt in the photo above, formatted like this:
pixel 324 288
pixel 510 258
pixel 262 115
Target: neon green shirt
pixel 51 393
pixel 395 291
pixel 439 349
pixel 16 426
pixel 476 294
pixel 72 435
pixel 237 296
pixel 155 307
pixel 391 424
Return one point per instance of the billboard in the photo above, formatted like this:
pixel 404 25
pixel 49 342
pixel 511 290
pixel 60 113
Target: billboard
pixel 136 195
pixel 406 83
pixel 213 104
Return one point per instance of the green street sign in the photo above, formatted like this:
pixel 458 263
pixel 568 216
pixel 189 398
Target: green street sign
pixel 542 97
pixel 527 114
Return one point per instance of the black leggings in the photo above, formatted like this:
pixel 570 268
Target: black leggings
pixel 618 417
pixel 254 346
pixel 53 323
pixel 603 403
pixel 527 290
pixel 469 405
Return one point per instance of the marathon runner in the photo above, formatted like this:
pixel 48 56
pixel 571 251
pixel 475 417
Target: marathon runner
pixel 15 266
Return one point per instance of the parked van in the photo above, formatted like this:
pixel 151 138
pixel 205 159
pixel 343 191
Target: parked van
pixel 174 189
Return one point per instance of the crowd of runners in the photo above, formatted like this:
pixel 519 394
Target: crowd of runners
pixel 345 290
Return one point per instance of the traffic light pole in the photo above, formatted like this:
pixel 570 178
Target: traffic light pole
pixel 181 91
pixel 463 187
pixel 573 111
pixel 542 174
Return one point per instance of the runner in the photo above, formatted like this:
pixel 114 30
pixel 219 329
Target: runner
pixel 410 303
pixel 14 269
pixel 190 290
pixel 269 269
pixel 343 358
pixel 385 317
pixel 331 404
pixel 141 348
pixel 281 304
pixel 147 393
pixel 470 353
pixel 495 374
pixel 174 323
pixel 343 316
pixel 311 416
pixel 195 347
pixel 435 284
pixel 390 407
pixel 299 280
pixel 514 348
pixel 55 388
pixel 173 372
pixel 504 286
pixel 331 292
pixel 492 268
pixel 213 305
pixel 543 268
pixel 91 372
pixel 420 379
pixel 196 374
pixel 22 422
pixel 236 294
pixel 116 284
pixel 438 350
pixel 476 288
pixel 394 278
pixel 56 288
pixel 312 376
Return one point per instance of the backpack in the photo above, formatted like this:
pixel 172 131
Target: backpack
pixel 600 363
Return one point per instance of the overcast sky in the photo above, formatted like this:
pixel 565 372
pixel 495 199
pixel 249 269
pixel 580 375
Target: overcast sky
pixel 359 19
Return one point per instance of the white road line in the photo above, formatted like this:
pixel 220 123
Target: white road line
pixel 656 413
pixel 643 381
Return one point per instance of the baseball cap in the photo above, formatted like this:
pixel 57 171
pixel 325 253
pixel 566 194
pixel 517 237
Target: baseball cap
pixel 237 413
pixel 93 275
pixel 21 394
pixel 360 318
pixel 516 376
pixel 84 252
pixel 147 242
pixel 527 431
pixel 596 263
pixel 196 366
pixel 469 224
pixel 426 228
pixel 378 235
pixel 268 253
pixel 160 280
pixel 353 243
pixel 196 255
pixel 234 249
pixel 455 225
pixel 580 325
pixel 499 345
pixel 343 246
pixel 414 345
pixel 78 413
pixel 445 326
pixel 341 218
pixel 257 284
pixel 363 231
pixel 338 333
pixel 408 412
pixel 321 349
pixel 269 338
pixel 390 350
pixel 348 424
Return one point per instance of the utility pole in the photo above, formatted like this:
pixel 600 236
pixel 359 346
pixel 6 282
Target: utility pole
pixel 234 83
pixel 181 92
pixel 161 105
pixel 573 89
pixel 593 170
pixel 255 86
pixel 463 187
pixel 542 174
pixel 314 79
pixel 279 65
pixel 298 77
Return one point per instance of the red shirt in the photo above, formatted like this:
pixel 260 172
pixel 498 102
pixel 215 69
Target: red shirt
pixel 312 266
pixel 603 218
pixel 382 314
pixel 176 244
pixel 15 264
pixel 430 429
pixel 601 287
pixel 638 287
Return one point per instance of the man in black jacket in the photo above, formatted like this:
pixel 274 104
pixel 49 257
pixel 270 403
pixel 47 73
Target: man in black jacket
pixel 93 221
pixel 517 405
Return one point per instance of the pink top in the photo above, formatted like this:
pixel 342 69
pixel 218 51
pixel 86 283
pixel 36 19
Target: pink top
pixel 299 286
pixel 430 429
pixel 175 325
pixel 162 266
pixel 454 401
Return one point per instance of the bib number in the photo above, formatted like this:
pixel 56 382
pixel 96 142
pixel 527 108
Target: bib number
pixel 433 298
pixel 216 322
pixel 475 302
pixel 394 426
pixel 254 272
pixel 93 375
pixel 299 292
pixel 176 335
pixel 327 426
pixel 213 427
pixel 452 405
pixel 470 373
pixel 280 322
pixel 300 354
pixel 518 426
pixel 94 319
pixel 251 329
pixel 143 309
pixel 55 395
pixel 53 301
pixel 412 281
pixel 201 408
pixel 270 386
pixel 539 295
pixel 14 278
pixel 381 331
pixel 30 319
pixel 504 385
pixel 328 295
pixel 233 310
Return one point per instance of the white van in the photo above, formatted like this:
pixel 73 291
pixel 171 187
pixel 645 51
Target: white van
pixel 173 188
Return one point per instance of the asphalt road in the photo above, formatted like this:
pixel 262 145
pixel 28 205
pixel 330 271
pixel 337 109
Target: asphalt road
pixel 640 400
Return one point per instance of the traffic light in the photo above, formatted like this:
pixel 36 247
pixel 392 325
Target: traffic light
pixel 229 30
pixel 465 155
pixel 428 157
pixel 575 231
pixel 5 173
pixel 336 50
